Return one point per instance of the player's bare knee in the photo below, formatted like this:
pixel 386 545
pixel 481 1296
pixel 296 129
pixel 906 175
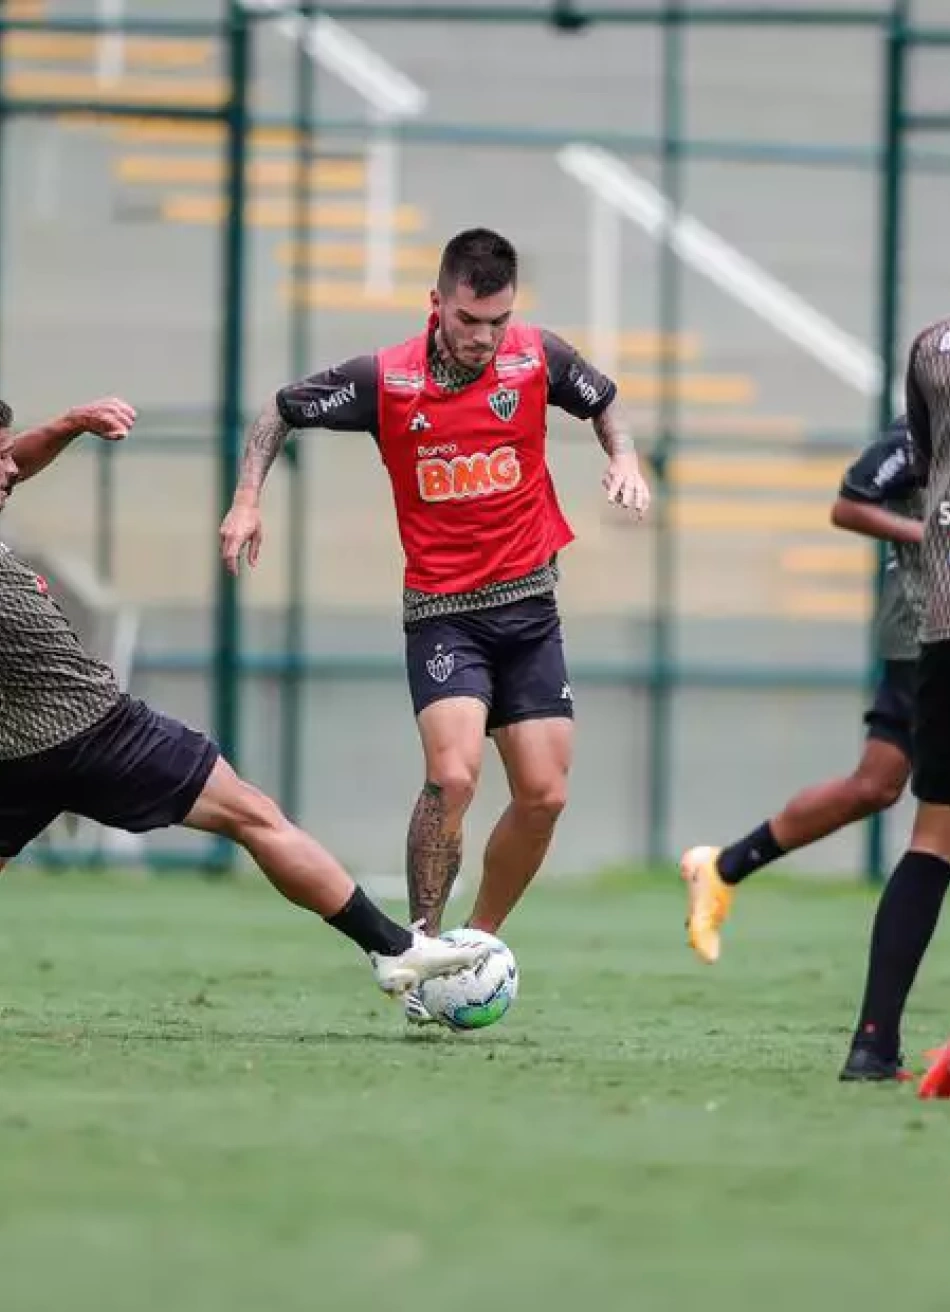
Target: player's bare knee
pixel 874 793
pixel 541 806
pixel 455 781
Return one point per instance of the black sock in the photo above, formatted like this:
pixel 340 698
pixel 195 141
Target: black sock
pixel 906 918
pixel 750 854
pixel 373 931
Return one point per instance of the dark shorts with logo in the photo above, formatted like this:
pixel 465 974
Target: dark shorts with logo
pixel 509 657
pixel 931 781
pixel 134 770
pixel 890 718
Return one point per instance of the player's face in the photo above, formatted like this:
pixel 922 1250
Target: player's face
pixel 472 327
pixel 8 466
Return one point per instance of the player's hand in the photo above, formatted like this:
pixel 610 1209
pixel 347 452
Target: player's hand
pixel 111 418
pixel 625 485
pixel 241 529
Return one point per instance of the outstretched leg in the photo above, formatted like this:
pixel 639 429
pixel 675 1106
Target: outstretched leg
pixel 307 875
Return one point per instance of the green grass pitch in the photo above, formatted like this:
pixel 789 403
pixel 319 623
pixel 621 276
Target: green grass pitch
pixel 205 1106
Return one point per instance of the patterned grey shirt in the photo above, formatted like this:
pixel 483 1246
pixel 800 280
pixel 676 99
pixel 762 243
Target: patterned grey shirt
pixel 889 474
pixel 346 399
pixel 51 690
pixel 928 418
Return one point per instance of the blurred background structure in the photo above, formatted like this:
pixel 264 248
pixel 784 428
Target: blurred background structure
pixel 739 211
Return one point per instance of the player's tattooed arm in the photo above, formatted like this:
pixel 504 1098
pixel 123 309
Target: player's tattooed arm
pixel 242 529
pixel 623 481
pixel 268 434
pixel 612 432
pixel 433 859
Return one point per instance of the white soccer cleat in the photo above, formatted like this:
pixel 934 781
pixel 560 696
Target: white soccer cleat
pixel 416 1011
pixel 426 959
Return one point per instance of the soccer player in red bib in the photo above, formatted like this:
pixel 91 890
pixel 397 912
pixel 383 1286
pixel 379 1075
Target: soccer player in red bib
pixel 459 413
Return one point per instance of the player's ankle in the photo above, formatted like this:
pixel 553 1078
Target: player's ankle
pixel 749 854
pixel 368 927
pixel 883 1042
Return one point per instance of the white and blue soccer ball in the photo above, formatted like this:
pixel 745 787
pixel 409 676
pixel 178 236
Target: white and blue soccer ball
pixel 476 998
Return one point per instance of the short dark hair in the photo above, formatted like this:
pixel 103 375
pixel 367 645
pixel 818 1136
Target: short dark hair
pixel 6 415
pixel 482 260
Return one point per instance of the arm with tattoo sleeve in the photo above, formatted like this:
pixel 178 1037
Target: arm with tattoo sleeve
pixel 268 434
pixel 624 484
pixel 577 387
pixel 612 432
pixel 242 528
pixel 342 399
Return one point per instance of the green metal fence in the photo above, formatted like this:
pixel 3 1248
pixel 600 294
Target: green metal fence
pixel 673 148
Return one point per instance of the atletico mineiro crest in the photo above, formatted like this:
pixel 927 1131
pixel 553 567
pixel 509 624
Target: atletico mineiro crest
pixel 441 665
pixel 504 402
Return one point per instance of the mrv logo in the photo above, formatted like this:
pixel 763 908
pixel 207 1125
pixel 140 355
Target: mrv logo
pixel 327 404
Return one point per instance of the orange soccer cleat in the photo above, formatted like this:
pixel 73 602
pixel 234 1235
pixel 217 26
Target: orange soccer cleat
pixel 710 898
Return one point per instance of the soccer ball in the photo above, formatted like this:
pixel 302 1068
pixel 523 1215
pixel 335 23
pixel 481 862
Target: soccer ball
pixel 476 998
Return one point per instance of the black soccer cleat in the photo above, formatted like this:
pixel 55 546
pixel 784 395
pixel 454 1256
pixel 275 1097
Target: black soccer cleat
pixel 865 1065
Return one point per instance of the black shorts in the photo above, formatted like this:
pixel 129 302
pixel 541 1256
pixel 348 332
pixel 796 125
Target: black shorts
pixel 890 718
pixel 510 657
pixel 931 781
pixel 134 770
